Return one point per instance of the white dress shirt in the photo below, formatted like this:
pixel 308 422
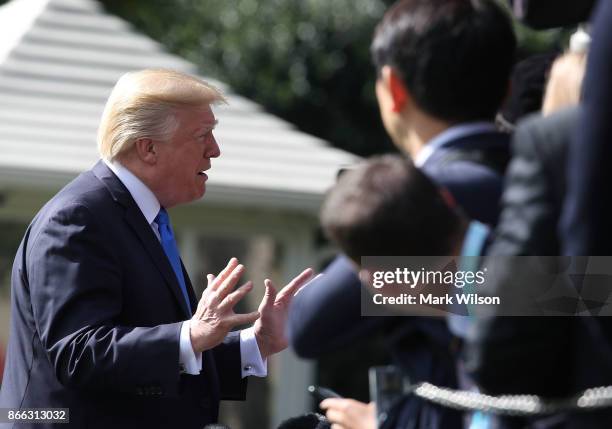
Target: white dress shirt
pixel 450 134
pixel 190 362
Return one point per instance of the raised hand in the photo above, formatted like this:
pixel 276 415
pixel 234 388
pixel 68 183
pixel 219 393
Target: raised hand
pixel 215 316
pixel 274 308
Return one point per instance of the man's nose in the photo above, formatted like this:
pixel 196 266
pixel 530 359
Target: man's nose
pixel 213 151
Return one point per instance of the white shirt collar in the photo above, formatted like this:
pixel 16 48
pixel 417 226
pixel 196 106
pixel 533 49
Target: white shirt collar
pixel 450 134
pixel 144 197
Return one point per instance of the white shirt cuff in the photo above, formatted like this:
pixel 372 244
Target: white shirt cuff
pixel 250 357
pixel 189 361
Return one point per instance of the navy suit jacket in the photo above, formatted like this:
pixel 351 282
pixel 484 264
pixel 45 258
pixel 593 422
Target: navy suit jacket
pixel 96 312
pixel 421 345
pixel 476 186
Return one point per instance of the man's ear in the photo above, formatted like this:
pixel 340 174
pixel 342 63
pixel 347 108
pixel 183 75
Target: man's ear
pixel 146 150
pixel 396 87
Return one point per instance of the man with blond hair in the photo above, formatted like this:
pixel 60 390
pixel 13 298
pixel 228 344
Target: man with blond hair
pixel 104 321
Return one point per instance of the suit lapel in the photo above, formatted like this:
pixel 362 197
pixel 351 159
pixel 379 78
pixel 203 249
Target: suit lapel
pixel 139 225
pixel 136 220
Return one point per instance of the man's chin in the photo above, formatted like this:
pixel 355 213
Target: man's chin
pixel 202 191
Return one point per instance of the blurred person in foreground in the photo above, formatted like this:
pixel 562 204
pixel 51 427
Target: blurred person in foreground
pixel 443 70
pixel 371 211
pixel 104 320
pixel 560 356
pixel 544 351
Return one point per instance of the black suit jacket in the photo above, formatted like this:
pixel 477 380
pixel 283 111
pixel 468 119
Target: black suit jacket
pixel 420 345
pixel 548 356
pixel 586 226
pixel 533 198
pixel 96 313
pixel 532 204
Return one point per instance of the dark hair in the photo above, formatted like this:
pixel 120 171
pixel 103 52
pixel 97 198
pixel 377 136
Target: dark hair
pixel 388 207
pixel 454 56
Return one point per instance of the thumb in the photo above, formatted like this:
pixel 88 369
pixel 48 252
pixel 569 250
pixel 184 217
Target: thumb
pixel 269 295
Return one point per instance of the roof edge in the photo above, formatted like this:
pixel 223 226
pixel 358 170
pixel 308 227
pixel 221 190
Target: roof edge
pixel 16 18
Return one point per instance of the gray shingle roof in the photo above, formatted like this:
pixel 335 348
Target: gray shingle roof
pixel 59 60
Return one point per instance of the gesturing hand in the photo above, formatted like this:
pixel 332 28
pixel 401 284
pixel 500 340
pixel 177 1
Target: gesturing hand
pixel 274 308
pixel 215 316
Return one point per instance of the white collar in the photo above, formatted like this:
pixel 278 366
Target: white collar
pixel 450 134
pixel 144 197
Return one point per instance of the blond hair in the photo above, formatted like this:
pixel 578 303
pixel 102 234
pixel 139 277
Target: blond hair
pixel 564 86
pixel 143 105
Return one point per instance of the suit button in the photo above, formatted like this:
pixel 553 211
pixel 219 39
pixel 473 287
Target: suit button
pixel 140 391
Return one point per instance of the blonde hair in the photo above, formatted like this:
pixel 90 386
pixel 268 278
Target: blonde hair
pixel 143 105
pixel 564 86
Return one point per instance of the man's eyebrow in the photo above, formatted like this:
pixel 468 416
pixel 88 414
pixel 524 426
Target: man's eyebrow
pixel 207 127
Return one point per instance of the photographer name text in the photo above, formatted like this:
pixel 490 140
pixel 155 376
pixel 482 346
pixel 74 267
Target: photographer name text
pixel 431 299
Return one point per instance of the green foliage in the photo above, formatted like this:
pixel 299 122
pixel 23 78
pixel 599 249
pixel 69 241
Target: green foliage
pixel 304 60
pixel 532 42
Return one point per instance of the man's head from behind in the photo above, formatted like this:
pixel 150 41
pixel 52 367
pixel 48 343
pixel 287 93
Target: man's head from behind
pixel 388 207
pixel 159 123
pixel 452 58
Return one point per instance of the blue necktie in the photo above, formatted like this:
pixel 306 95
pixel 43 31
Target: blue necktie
pixel 167 241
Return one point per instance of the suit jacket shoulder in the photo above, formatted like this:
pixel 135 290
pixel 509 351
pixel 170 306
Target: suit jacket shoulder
pixel 475 185
pixel 535 186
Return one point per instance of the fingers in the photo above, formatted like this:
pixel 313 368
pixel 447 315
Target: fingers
pixel 230 281
pixel 233 298
pixel 229 268
pixel 210 278
pixel 243 319
pixel 332 403
pixel 348 413
pixel 295 284
pixel 338 418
